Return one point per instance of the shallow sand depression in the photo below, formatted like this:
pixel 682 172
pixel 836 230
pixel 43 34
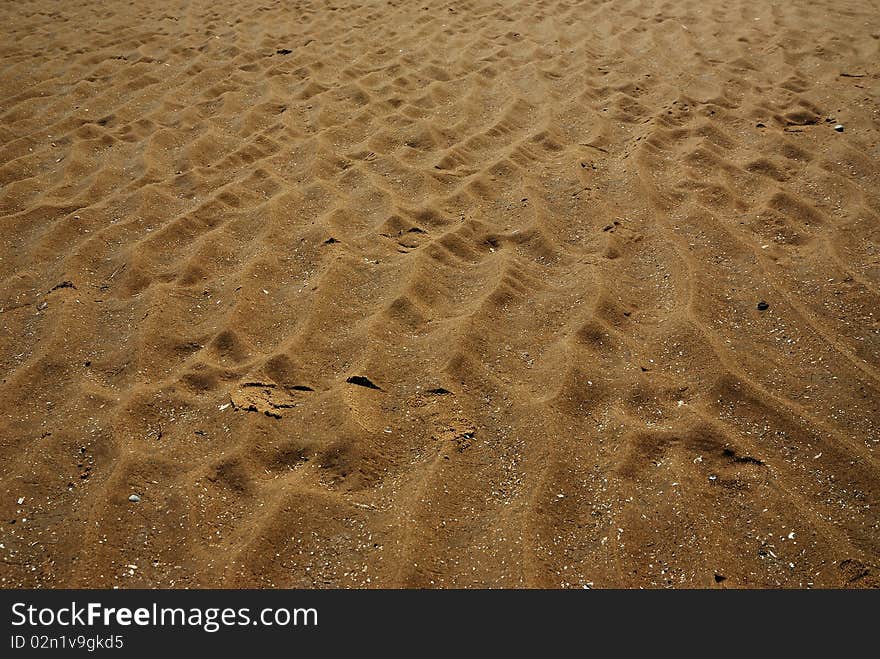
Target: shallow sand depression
pixel 440 294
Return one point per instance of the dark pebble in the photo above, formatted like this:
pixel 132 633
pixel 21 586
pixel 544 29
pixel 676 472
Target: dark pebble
pixel 763 306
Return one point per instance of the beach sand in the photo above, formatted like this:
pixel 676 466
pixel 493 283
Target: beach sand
pixel 440 294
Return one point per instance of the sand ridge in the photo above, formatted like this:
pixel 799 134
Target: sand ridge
pixel 440 293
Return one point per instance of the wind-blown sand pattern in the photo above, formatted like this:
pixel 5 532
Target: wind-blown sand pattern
pixel 440 294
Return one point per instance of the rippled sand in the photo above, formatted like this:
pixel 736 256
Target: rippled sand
pixel 440 293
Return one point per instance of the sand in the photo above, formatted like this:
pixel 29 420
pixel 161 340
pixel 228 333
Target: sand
pixel 440 294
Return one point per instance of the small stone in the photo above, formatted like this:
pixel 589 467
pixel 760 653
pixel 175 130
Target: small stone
pixel 839 128
pixel 134 498
pixel 763 306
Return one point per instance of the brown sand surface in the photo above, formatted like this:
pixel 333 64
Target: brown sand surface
pixel 440 293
